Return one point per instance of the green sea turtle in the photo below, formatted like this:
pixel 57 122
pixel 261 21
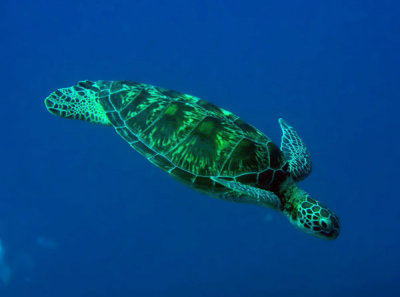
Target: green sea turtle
pixel 203 146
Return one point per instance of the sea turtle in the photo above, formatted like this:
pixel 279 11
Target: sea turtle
pixel 203 146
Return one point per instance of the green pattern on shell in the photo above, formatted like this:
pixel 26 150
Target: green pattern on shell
pixel 190 138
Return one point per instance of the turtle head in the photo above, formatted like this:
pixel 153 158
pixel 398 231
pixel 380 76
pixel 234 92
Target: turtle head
pixel 80 102
pixel 311 216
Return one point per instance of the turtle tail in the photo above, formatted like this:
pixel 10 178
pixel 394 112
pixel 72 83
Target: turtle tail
pixel 80 102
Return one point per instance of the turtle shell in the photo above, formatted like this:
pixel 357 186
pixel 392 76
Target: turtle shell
pixel 190 138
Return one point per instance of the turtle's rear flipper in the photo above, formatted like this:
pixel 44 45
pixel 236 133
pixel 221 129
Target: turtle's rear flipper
pixel 79 102
pixel 255 194
pixel 295 152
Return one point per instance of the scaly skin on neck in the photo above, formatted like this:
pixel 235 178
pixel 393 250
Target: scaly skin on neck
pixel 306 213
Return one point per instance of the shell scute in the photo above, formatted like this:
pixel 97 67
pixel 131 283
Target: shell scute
pixel 136 101
pixel 177 96
pixel 251 132
pixel 206 148
pixel 106 104
pixel 266 177
pixel 182 175
pixel 248 179
pixel 174 124
pixel 161 162
pixel 126 134
pixel 216 111
pixel 115 119
pixel 143 149
pixel 203 183
pixel 145 119
pixel 247 156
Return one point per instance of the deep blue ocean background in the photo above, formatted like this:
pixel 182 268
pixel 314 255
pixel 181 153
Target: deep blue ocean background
pixel 82 214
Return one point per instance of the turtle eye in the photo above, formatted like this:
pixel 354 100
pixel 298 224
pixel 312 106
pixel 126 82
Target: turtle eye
pixel 330 226
pixel 325 223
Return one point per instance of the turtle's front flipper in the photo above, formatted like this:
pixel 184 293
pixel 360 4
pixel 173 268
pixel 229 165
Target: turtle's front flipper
pixel 252 193
pixel 295 152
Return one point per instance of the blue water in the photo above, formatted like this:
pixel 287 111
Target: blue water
pixel 82 214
